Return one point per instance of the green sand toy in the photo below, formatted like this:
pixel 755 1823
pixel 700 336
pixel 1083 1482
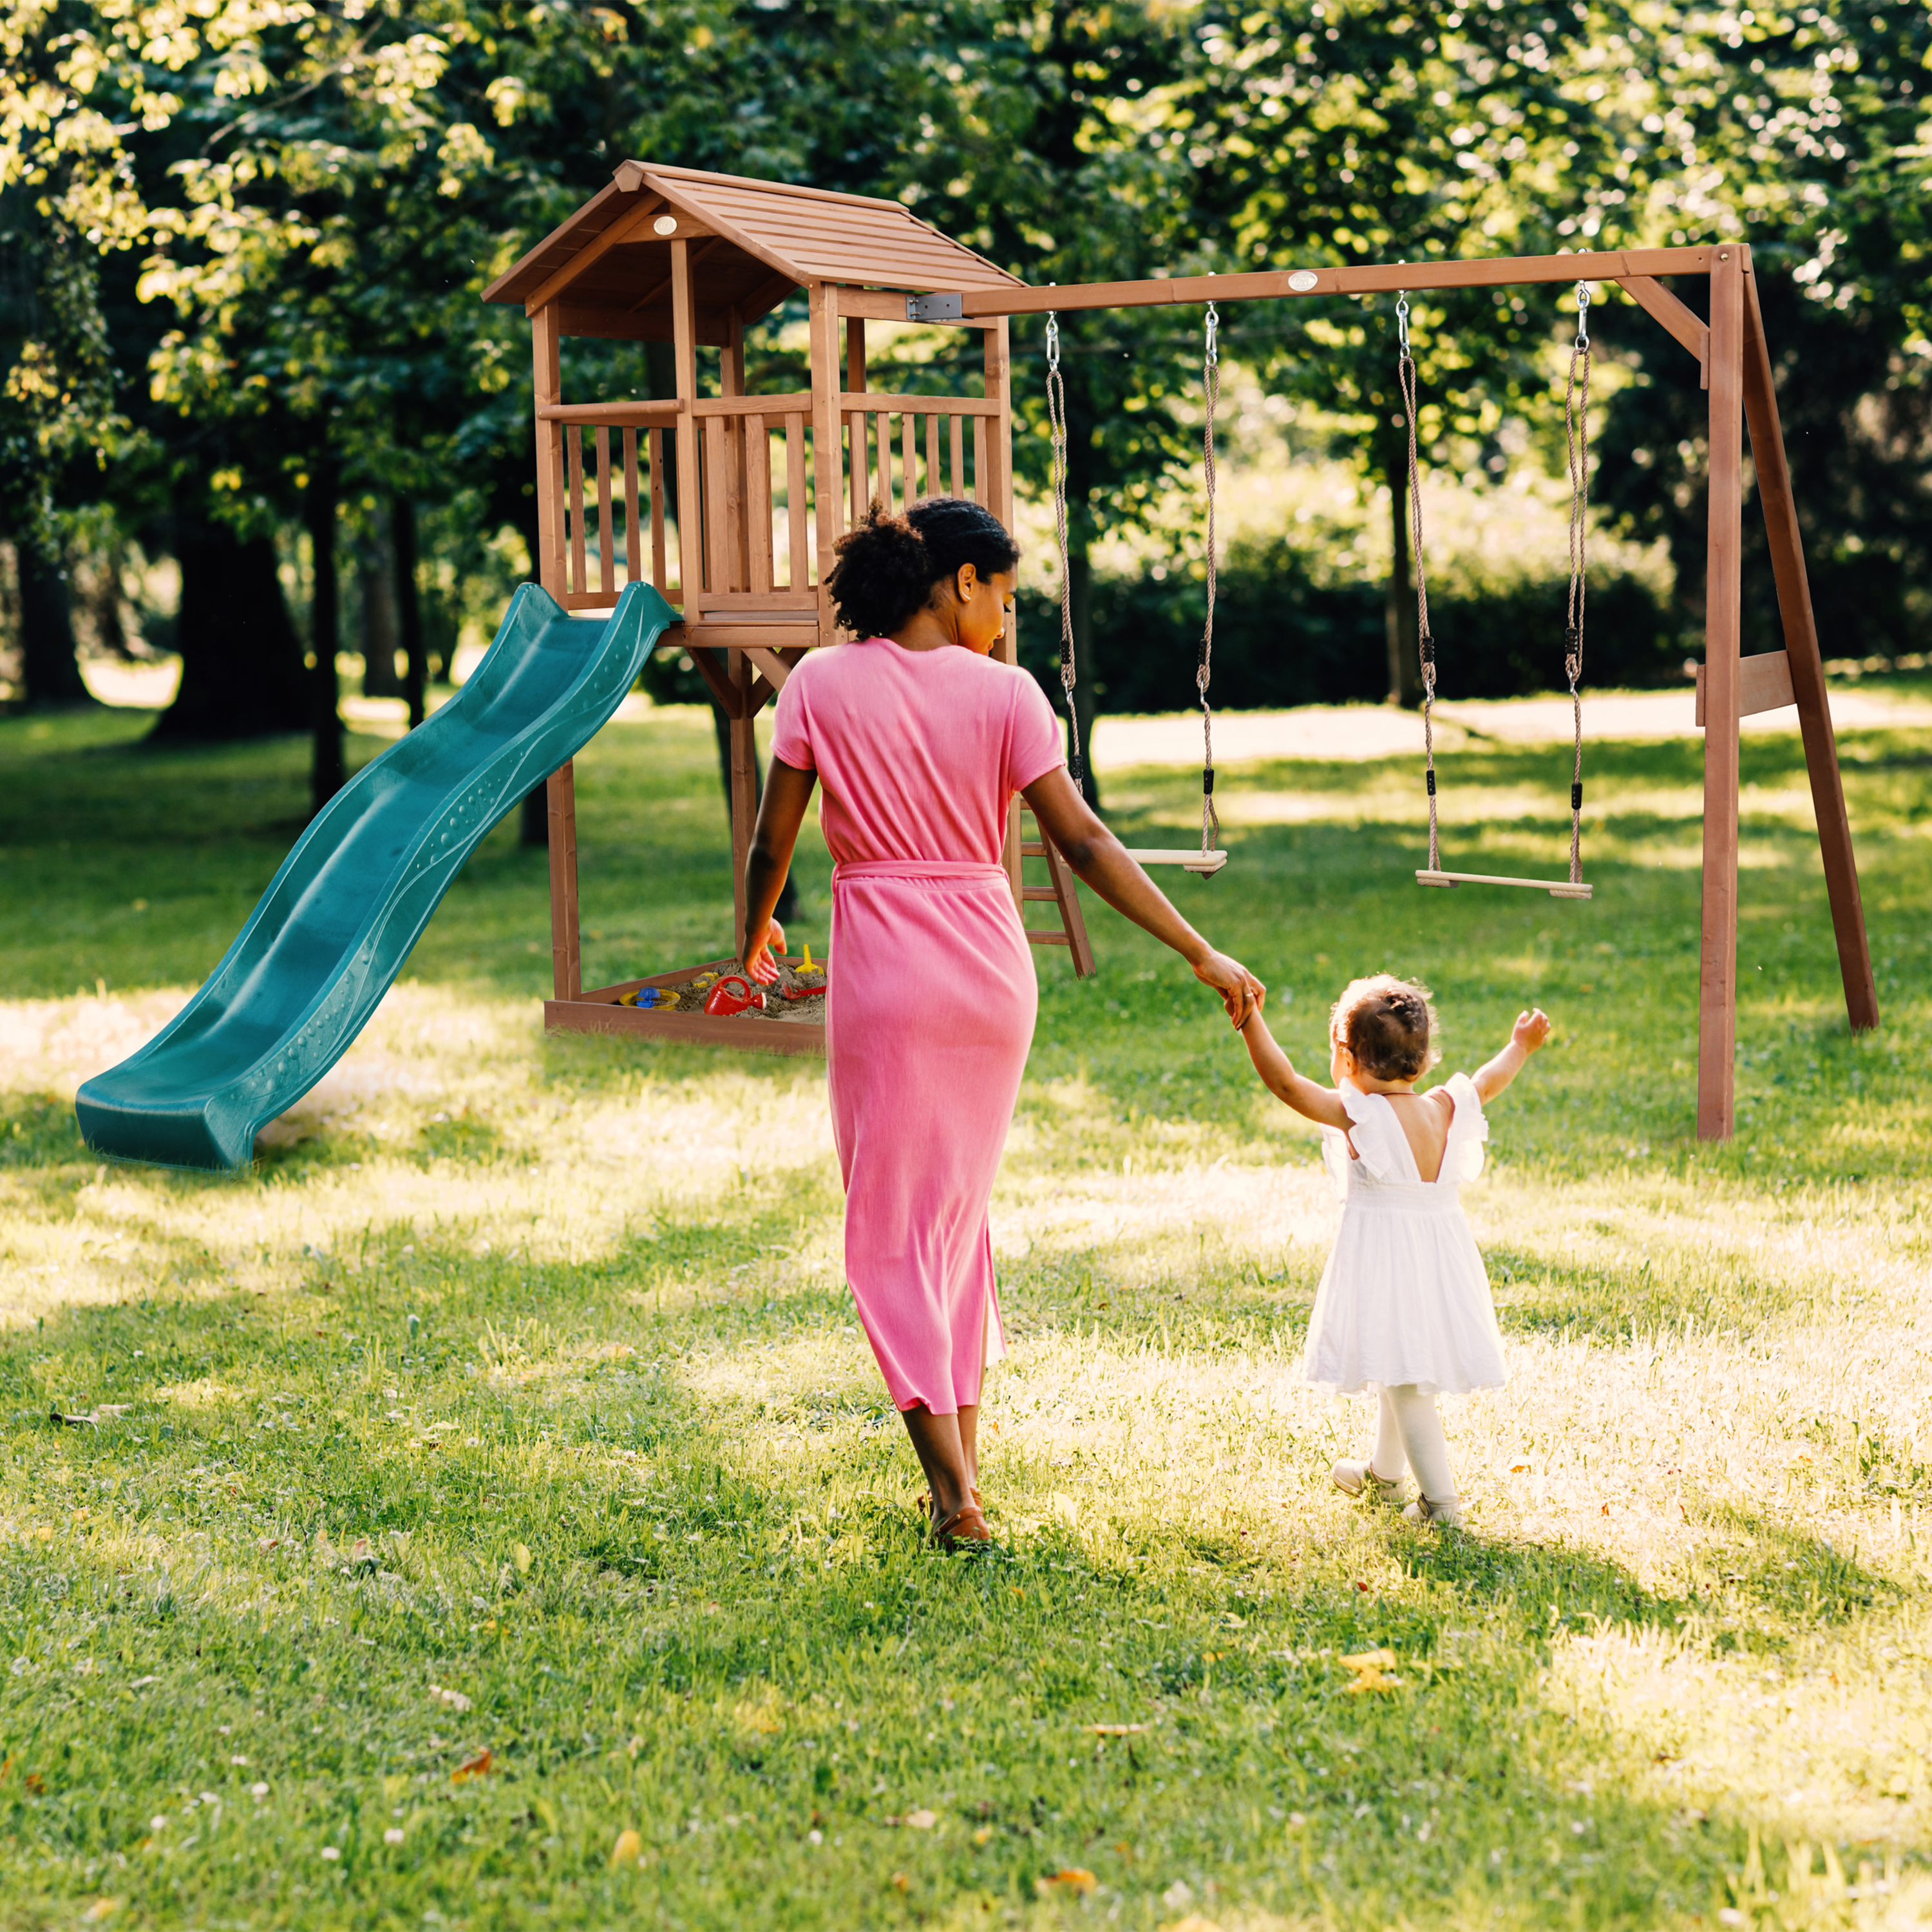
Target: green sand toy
pixel 339 919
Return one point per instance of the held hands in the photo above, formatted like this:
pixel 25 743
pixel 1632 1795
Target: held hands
pixel 1241 993
pixel 1531 1030
pixel 757 960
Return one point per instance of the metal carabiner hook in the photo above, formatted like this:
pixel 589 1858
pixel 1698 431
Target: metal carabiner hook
pixel 1583 315
pixel 1214 328
pixel 1052 340
pixel 1402 319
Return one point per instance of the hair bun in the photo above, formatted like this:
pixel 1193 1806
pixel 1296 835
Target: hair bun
pixel 887 564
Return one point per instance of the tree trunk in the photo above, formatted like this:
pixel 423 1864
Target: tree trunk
pixel 50 673
pixel 242 660
pixel 409 608
pixel 1405 670
pixel 375 595
pixel 326 771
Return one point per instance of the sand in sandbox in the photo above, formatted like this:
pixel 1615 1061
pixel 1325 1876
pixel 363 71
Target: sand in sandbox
pixel 777 1007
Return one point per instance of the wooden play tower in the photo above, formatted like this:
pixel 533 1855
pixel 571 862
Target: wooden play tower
pixel 730 503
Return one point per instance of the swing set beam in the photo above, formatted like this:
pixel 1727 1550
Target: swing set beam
pixel 1735 367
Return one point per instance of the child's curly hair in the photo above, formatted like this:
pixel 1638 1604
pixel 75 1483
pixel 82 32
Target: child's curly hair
pixel 1388 1025
pixel 887 565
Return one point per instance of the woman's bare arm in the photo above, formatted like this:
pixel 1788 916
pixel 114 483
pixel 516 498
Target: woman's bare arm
pixel 781 813
pixel 1101 860
pixel 1320 1104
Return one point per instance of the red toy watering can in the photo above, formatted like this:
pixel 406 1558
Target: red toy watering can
pixel 733 994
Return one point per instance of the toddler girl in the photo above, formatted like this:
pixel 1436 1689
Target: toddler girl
pixel 1404 1302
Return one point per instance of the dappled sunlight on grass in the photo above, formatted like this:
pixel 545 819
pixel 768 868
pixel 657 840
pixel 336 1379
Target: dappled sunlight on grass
pixel 514 1402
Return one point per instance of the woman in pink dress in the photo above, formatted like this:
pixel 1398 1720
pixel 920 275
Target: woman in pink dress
pixel 921 739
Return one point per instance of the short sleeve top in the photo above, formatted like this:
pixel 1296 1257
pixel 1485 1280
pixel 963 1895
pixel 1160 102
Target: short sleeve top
pixel 919 752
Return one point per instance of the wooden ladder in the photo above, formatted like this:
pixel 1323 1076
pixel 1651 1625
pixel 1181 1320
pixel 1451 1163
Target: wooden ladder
pixel 1071 932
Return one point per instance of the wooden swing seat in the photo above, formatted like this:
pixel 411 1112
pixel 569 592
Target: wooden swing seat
pixel 1557 888
pixel 1206 864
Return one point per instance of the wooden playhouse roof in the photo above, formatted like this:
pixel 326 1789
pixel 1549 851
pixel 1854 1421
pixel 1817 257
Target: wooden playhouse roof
pixel 609 266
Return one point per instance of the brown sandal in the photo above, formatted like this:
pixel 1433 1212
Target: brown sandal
pixel 965 1525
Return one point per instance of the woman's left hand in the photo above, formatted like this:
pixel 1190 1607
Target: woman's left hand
pixel 757 960
pixel 1241 993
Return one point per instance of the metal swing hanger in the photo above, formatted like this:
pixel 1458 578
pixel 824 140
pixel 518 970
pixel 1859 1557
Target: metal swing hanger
pixel 1577 425
pixel 1209 859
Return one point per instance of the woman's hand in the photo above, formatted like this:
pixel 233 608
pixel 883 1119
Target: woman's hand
pixel 756 959
pixel 1241 993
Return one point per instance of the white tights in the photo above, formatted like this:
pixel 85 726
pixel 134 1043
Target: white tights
pixel 1408 1435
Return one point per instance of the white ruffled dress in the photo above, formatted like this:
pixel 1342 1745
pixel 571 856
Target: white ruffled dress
pixel 1405 1297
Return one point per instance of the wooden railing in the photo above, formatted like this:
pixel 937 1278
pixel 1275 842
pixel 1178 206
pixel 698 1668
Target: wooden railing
pixel 757 490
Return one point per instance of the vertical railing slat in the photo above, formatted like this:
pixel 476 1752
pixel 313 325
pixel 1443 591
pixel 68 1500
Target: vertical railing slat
pixel 758 501
pixel 633 535
pixel 658 566
pixel 801 570
pixel 606 560
pixel 574 445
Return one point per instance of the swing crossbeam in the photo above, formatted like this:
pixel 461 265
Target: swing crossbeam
pixel 1557 888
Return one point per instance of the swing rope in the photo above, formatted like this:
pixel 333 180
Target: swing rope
pixel 1211 379
pixel 1425 643
pixel 1577 430
pixel 1056 420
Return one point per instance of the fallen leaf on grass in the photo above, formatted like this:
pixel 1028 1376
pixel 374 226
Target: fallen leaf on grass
pixel 101 1908
pixel 1370 1668
pixel 900 1881
pixel 920 1820
pixel 519 1555
pixel 1073 1878
pixel 1194 1922
pixel 1117 1730
pixel 479 1766
pixel 455 1699
pixel 629 1845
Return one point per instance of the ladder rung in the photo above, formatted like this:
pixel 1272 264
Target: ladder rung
pixel 1038 893
pixel 1028 850
pixel 1038 938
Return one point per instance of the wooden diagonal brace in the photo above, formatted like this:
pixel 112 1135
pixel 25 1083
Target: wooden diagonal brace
pixel 1680 321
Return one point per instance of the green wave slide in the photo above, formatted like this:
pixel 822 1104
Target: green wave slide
pixel 339 919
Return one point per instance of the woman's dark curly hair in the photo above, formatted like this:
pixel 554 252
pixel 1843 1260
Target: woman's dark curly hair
pixel 888 565
pixel 1388 1025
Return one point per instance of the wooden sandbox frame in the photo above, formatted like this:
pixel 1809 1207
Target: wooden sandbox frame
pixel 671 254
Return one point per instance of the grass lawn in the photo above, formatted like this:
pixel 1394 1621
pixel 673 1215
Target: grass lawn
pixel 494 1518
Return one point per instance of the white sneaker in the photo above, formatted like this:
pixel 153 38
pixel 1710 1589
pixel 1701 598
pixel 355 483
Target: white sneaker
pixel 1449 1510
pixel 1353 1478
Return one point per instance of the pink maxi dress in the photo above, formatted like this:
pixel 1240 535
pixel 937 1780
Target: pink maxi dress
pixel 930 1009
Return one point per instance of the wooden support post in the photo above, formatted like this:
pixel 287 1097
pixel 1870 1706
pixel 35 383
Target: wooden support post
pixel 824 305
pixel 1806 665
pixel 560 792
pixel 744 787
pixel 690 483
pixel 548 383
pixel 1718 965
pixel 565 953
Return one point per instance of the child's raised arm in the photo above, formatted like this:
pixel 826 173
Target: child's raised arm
pixel 1321 1104
pixel 1531 1030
